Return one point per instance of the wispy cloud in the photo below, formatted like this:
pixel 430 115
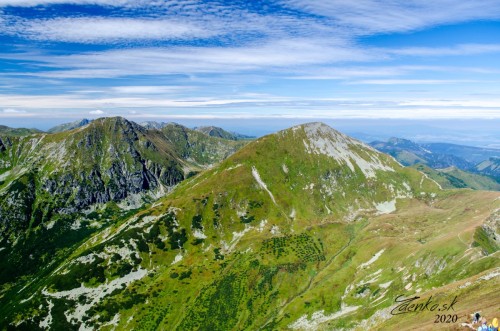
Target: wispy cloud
pixel 160 21
pixel 409 81
pixel 299 56
pixel 32 3
pixel 150 89
pixel 457 50
pixel 454 103
pixel 106 30
pixel 374 16
pixel 184 60
pixel 80 102
pixel 252 106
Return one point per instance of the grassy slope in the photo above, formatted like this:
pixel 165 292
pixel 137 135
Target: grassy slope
pixel 442 233
pixel 16 132
pixel 456 178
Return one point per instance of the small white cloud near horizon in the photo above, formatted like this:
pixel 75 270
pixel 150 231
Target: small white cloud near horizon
pixel 13 111
pixel 96 112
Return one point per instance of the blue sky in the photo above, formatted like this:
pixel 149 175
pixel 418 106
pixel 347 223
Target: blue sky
pixel 249 60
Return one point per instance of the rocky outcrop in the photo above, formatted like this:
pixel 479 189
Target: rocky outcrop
pixel 109 160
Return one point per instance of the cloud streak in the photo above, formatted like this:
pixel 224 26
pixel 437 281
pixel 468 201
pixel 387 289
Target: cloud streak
pixel 409 82
pixel 107 30
pixel 184 60
pixel 249 106
pixel 375 16
pixel 34 3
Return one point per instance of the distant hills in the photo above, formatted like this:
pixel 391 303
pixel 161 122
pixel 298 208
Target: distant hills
pixel 490 167
pixel 452 177
pixel 197 146
pixel 211 131
pixel 471 154
pixel 214 131
pixel 16 132
pixel 449 164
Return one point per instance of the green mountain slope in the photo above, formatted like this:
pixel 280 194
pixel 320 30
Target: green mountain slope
pixel 69 126
pixel 16 132
pixel 303 229
pixel 409 153
pixel 455 178
pixel 106 161
pixel 52 183
pixel 490 167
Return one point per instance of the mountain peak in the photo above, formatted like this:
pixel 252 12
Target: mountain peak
pixel 153 125
pixel 322 139
pixel 69 126
pixel 217 132
pixel 116 123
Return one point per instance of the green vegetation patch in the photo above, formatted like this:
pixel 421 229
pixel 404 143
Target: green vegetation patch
pixel 294 248
pixel 483 240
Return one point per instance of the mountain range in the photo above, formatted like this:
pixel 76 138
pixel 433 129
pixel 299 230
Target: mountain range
pixel 451 165
pixel 115 226
pixel 7 131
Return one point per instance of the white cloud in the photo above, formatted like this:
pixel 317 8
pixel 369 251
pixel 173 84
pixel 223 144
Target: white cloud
pixel 299 55
pixel 96 112
pixel 150 89
pixel 163 20
pixel 13 111
pixel 374 16
pixel 255 106
pixel 409 81
pixel 454 103
pixel 284 53
pixel 457 50
pixel 106 30
pixel 32 3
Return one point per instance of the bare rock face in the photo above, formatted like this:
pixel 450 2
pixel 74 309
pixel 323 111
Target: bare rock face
pixel 107 160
